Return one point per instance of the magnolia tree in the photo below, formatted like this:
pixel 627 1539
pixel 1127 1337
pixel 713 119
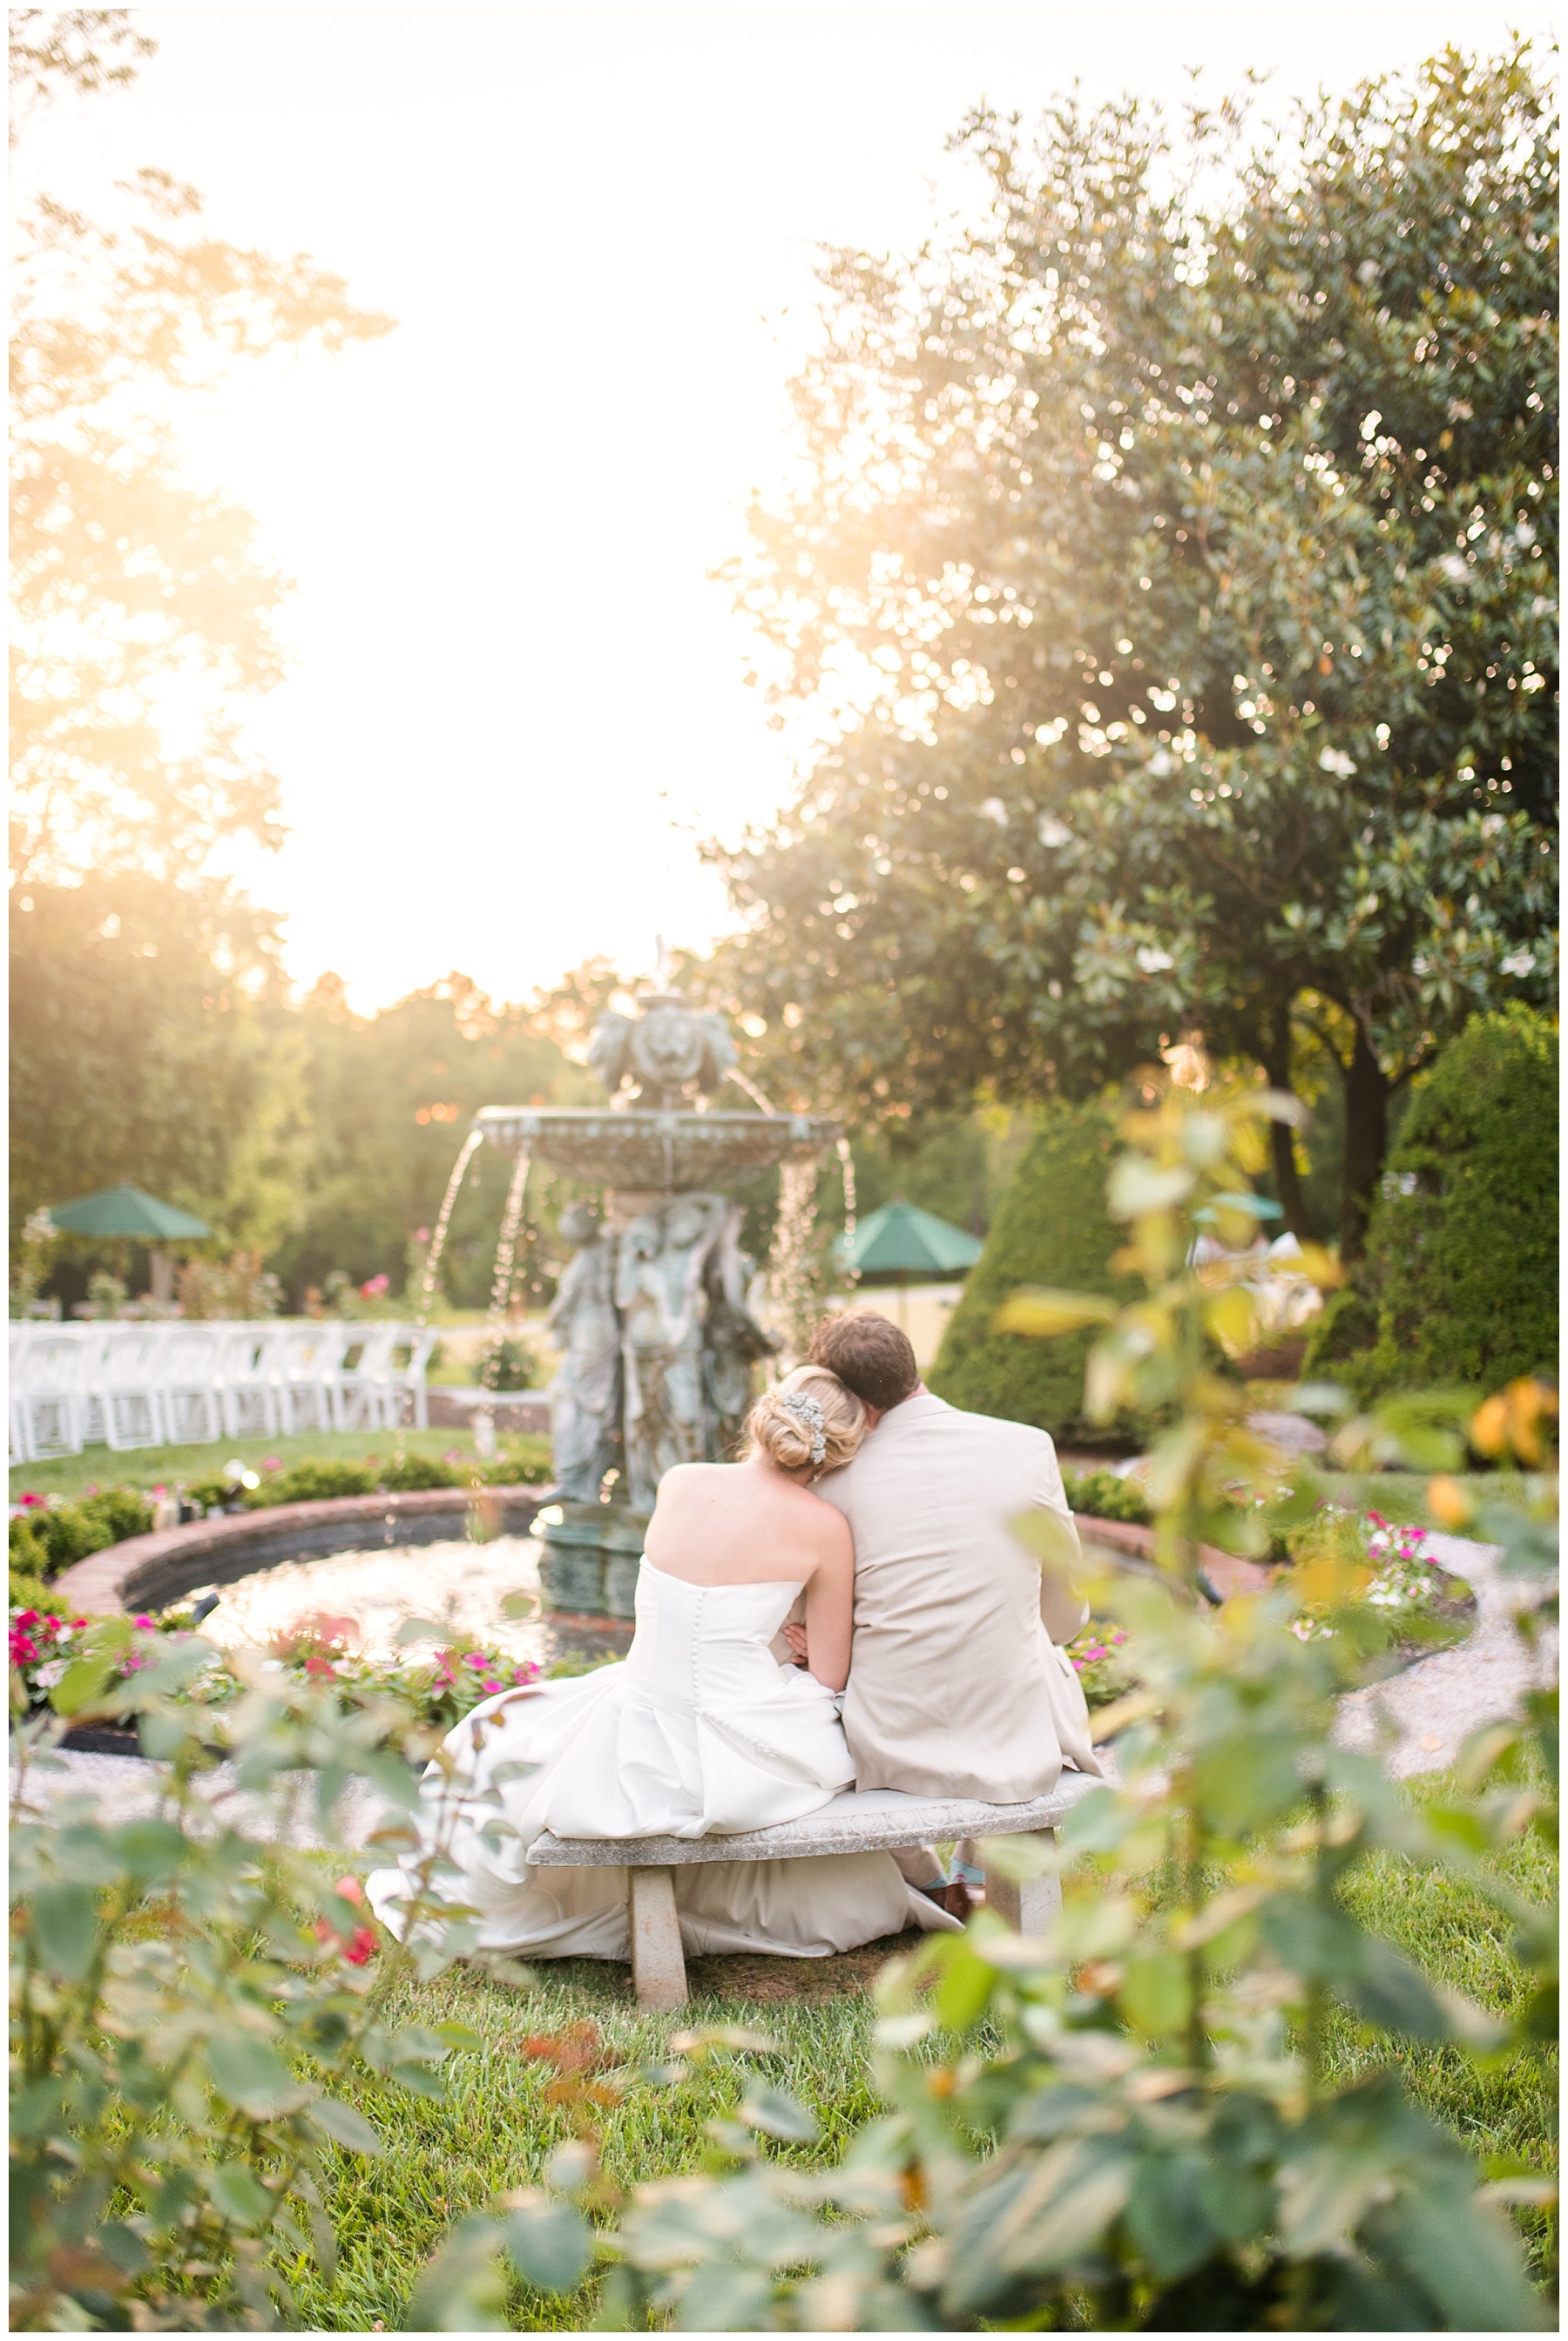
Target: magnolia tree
pixel 1183 530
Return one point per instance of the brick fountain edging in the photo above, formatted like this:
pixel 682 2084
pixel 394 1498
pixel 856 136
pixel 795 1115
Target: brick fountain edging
pixel 157 1568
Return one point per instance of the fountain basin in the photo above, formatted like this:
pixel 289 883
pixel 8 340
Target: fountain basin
pixel 671 1153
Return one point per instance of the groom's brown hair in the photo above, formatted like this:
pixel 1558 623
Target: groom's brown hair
pixel 869 1356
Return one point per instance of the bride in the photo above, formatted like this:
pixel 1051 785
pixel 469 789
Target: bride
pixel 699 1731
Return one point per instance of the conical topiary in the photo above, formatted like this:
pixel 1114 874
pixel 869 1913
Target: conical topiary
pixel 1050 1228
pixel 1461 1261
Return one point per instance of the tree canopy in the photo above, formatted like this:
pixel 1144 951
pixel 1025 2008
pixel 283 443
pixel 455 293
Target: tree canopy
pixel 132 588
pixel 1193 556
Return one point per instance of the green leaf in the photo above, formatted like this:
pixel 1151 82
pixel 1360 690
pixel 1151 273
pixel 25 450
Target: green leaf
pixel 1467 2258
pixel 420 1629
pixel 1154 1995
pixel 1389 1991
pixel 721 2299
pixel 420 2081
pixel 463 2290
pixel 965 1985
pixel 83 1685
pixel 344 2124
pixel 36 2110
pixel 549 2242
pixel 151 1849
pixel 238 2194
pixel 1166 2216
pixel 1098 1823
pixel 63 1922
pixel 417 2045
pixel 251 2074
pixel 458 2035
pixel 126 2250
pixel 779 2115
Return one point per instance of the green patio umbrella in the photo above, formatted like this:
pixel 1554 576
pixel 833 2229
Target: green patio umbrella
pixel 901 1242
pixel 125 1210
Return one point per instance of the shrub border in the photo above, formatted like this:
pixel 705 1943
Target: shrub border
pixel 163 1566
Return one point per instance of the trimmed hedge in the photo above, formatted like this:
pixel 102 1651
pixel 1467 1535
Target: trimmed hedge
pixel 1461 1261
pixel 1050 1228
pixel 49 1537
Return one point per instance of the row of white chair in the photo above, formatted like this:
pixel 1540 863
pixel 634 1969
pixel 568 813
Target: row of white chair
pixel 177 1384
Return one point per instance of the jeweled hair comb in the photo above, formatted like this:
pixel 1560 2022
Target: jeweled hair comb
pixel 808 1413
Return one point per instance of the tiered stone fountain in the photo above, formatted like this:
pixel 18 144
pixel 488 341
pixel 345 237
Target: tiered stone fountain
pixel 651 1315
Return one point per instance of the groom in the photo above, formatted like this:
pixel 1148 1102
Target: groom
pixel 959 1683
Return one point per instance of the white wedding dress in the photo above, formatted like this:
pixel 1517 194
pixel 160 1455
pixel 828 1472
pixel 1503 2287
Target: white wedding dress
pixel 699 1731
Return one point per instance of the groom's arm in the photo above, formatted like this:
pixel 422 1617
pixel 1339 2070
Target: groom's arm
pixel 1064 1613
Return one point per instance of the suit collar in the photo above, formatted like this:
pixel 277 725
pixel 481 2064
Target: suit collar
pixel 910 1412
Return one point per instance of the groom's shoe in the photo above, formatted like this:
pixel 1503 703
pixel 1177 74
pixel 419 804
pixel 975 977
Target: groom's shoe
pixel 955 1898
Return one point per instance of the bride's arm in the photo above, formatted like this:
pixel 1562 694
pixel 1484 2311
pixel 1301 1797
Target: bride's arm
pixel 830 1603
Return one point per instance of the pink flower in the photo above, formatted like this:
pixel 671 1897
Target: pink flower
pixel 422 1235
pixel 148 1625
pixel 476 1658
pixel 374 1286
pixel 160 1490
pixel 26 1618
pixel 33 1499
pixel 23 1650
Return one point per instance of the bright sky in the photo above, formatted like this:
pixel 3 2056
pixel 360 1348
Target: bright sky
pixel 516 701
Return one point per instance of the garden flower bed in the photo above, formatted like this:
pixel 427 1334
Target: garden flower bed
pixel 435 1688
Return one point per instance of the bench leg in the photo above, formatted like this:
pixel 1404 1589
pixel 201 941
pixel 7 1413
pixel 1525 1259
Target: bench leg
pixel 657 1962
pixel 1028 1904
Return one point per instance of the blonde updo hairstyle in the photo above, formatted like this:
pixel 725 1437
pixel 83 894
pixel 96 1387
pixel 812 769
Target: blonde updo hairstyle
pixel 787 1437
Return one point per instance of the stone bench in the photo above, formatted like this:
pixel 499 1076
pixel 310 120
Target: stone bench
pixel 875 1822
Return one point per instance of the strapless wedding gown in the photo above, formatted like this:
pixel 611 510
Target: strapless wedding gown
pixel 697 1732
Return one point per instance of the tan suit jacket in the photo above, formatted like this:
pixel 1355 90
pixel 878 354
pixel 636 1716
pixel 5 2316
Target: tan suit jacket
pixel 958 1684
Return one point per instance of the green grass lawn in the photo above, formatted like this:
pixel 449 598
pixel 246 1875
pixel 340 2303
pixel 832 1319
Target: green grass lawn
pixel 152 1467
pixel 495 2130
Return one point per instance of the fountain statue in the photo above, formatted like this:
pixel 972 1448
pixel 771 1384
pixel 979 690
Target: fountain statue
pixel 651 1317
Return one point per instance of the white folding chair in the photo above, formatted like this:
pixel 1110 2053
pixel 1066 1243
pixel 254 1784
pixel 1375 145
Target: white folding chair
pixel 303 1369
pixel 247 1381
pixel 188 1384
pixel 364 1381
pixel 407 1380
pixel 126 1386
pixel 16 1428
pixel 50 1399
pixel 94 1338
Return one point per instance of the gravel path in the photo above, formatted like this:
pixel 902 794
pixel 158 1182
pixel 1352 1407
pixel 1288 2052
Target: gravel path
pixel 1427 1712
pixel 1429 1709
pixel 127 1788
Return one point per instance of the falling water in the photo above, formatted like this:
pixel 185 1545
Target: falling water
pixel 791 1266
pixel 751 1090
pixel 500 1299
pixel 847 1165
pixel 474 1139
